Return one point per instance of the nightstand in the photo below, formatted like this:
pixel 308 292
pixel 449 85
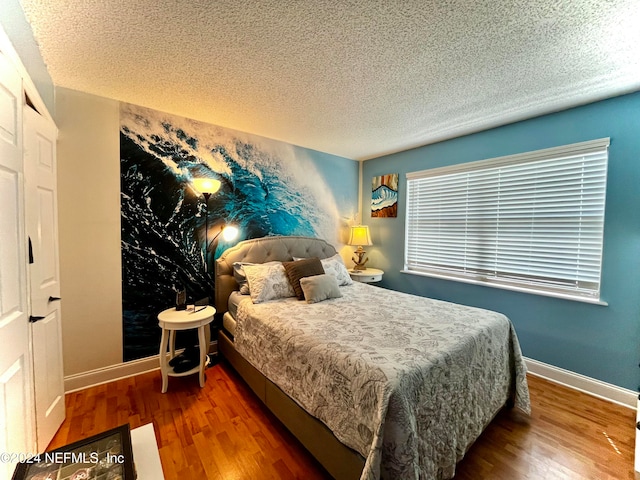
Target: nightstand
pixel 368 275
pixel 172 320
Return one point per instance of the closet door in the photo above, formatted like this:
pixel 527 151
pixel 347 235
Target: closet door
pixel 16 383
pixel 42 226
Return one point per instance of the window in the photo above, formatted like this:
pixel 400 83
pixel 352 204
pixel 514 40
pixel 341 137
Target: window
pixel 532 221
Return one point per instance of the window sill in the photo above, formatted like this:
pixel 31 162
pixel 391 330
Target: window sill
pixel 514 288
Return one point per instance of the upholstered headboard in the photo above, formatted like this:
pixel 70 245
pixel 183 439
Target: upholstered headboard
pixel 261 250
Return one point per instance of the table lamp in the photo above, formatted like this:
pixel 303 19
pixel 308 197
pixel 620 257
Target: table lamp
pixel 360 236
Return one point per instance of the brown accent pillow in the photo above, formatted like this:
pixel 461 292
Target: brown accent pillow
pixel 298 269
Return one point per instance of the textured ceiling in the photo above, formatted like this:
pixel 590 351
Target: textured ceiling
pixel 353 78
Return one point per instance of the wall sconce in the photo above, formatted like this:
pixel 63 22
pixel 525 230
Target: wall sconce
pixel 360 236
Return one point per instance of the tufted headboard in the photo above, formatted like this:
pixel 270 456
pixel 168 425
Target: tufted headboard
pixel 261 250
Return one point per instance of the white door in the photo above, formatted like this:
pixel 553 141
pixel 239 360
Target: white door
pixel 637 457
pixel 16 384
pixel 44 273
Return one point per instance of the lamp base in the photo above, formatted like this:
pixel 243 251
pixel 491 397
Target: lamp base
pixel 359 261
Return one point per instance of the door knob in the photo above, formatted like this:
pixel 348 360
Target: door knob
pixel 33 319
pixel 53 299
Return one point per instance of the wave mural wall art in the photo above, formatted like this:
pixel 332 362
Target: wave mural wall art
pixel 384 195
pixel 267 188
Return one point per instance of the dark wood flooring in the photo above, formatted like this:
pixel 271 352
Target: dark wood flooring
pixel 223 431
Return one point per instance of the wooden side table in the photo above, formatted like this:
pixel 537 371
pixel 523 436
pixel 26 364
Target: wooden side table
pixel 368 275
pixel 172 320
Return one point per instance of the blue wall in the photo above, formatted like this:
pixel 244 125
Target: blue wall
pixel 601 342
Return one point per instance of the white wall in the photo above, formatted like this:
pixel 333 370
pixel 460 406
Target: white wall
pixel 17 28
pixel 89 229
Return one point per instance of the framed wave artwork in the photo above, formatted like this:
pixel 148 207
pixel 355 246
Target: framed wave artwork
pixel 384 195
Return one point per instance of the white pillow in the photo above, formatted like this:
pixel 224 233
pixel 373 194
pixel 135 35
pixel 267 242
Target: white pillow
pixel 241 278
pixel 335 267
pixel 268 282
pixel 320 287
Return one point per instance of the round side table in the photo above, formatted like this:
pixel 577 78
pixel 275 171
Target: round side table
pixel 172 320
pixel 368 275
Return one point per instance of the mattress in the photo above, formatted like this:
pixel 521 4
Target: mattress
pixel 229 324
pixel 229 318
pixel 410 403
pixel 234 300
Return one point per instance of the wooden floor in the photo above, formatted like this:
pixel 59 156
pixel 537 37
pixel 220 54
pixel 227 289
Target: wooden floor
pixel 223 431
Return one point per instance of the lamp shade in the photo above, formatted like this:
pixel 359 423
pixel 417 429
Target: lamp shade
pixel 360 235
pixel 206 185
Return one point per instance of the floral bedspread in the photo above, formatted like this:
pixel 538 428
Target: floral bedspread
pixel 407 381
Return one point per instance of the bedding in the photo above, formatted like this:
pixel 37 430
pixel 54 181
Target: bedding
pixel 410 402
pixel 335 266
pixel 241 278
pixel 319 288
pixel 268 282
pixel 298 269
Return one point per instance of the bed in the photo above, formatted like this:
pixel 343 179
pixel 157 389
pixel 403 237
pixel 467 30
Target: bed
pixel 374 383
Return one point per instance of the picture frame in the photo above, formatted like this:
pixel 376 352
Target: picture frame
pixel 105 456
pixel 384 196
pixel 181 300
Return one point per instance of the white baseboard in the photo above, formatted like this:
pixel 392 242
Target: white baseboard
pixel 591 386
pixel 111 373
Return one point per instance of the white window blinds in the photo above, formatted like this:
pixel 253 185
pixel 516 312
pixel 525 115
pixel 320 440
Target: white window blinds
pixel 532 221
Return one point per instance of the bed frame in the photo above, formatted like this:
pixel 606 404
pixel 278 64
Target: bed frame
pixel 339 460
